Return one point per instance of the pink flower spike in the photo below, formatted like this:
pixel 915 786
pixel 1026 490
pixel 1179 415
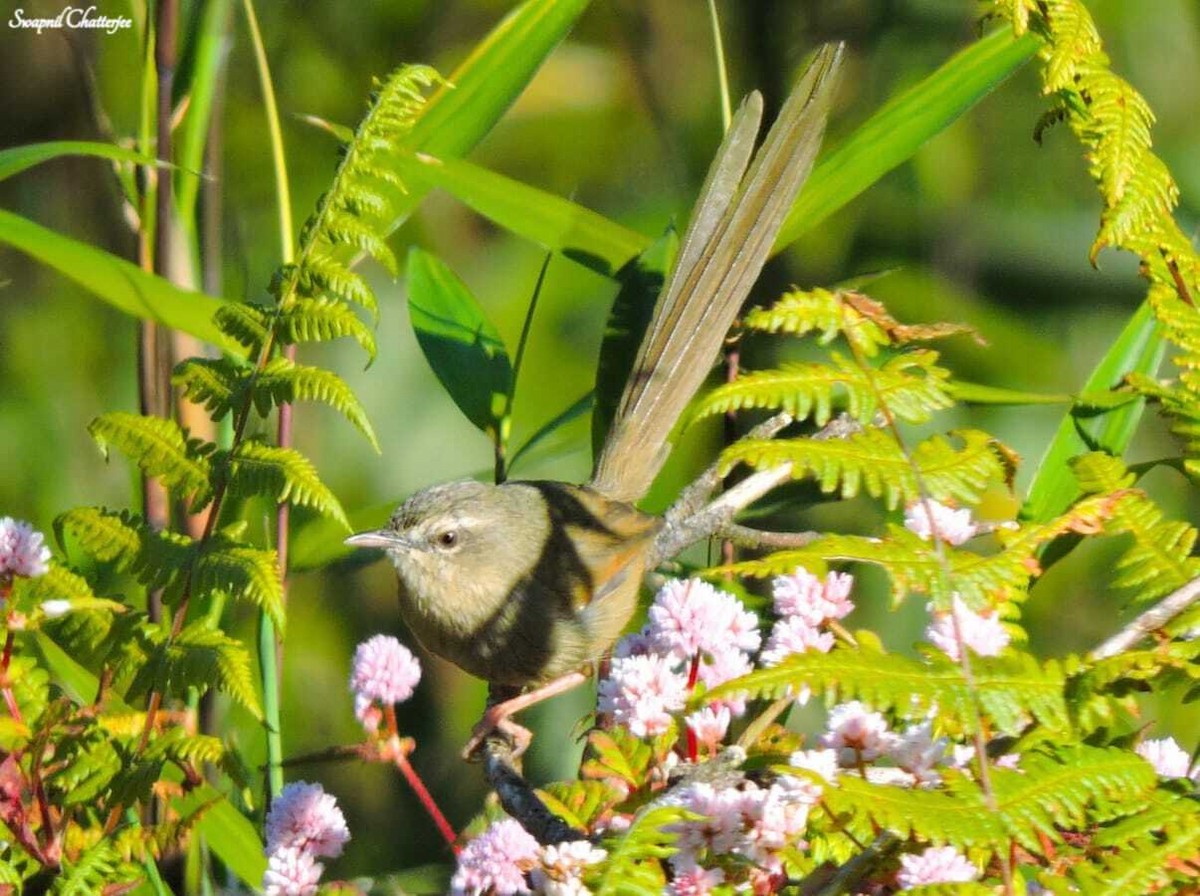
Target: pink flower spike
pixel 822 762
pixel 954 527
pixel 562 867
pixel 937 865
pixel 496 861
pixel 919 753
pixel 306 818
pixel 858 734
pixel 690 879
pixel 22 552
pixel 384 670
pixel 983 633
pixel 641 692
pixel 1167 757
pixel 794 634
pixel 710 726
pixel 690 617
pixel 291 871
pixel 804 595
pixel 722 667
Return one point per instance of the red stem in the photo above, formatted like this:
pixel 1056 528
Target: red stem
pixel 418 786
pixel 693 748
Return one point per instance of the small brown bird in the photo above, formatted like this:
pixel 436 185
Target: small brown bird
pixel 527 583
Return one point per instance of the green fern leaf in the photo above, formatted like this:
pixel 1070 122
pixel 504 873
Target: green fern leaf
pixel 218 384
pixel 104 534
pixel 161 449
pixel 1076 41
pixel 201 658
pixel 325 275
pixel 820 311
pixel 1070 787
pixel 243 573
pixel 98 868
pixel 873 462
pixel 910 385
pixel 244 323
pixel 1009 690
pixel 285 474
pixel 322 320
pixel 284 382
pixel 961 820
pixel 634 860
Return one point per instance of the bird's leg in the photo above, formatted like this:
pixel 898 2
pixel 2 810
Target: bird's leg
pixel 496 716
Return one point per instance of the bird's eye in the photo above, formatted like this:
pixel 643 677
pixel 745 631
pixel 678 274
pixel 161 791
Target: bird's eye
pixel 447 539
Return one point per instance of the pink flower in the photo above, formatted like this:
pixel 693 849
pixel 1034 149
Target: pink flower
pixel 983 633
pixel 496 861
pixel 822 762
pixel 690 617
pixel 923 518
pixel 918 753
pixel 384 670
pixel 1167 757
pixel 719 668
pixel 690 879
pixel 709 726
pixel 291 871
pixel 306 818
pixel 562 867
pixel 722 830
pixel 22 552
pixel 804 595
pixel 779 818
pixel 937 865
pixel 641 692
pixel 858 734
pixel 793 634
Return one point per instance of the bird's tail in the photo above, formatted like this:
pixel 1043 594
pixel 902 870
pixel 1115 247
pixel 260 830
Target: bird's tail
pixel 733 227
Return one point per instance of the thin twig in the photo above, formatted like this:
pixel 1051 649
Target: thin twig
pixel 1150 621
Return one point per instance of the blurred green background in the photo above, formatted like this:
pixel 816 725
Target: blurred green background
pixel 983 226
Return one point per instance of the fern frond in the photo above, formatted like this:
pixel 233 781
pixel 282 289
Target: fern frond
pixel 245 323
pixel 243 573
pixel 161 449
pixel 323 274
pixel 634 861
pixel 873 462
pixel 341 228
pixel 255 468
pixel 959 820
pixel 97 868
pixel 910 385
pixel 1069 787
pixel 1150 865
pixel 322 320
pixel 1009 690
pixel 219 384
pixel 821 311
pixel 285 382
pixel 202 658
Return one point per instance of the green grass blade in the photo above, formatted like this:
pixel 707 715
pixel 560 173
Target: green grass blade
pixel 894 133
pixel 1140 347
pixel 20 158
pixel 550 221
pixel 206 54
pixel 122 284
pixel 456 118
pixel 978 393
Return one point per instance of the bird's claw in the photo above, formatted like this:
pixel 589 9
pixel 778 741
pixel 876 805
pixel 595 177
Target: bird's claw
pixel 494 724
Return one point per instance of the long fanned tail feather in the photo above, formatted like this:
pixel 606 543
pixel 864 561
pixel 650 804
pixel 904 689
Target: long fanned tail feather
pixel 724 249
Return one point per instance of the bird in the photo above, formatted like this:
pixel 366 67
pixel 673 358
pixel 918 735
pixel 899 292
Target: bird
pixel 527 584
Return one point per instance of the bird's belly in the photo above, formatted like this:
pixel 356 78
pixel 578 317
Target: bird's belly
pixel 518 644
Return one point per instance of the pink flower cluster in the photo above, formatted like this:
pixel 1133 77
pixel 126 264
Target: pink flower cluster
pixel 983 633
pixel 22 551
pixel 1168 758
pixel 304 824
pixel 750 822
pixel 937 865
pixel 504 859
pixel 384 673
pixel 691 626
pixel 805 603
pixel 924 518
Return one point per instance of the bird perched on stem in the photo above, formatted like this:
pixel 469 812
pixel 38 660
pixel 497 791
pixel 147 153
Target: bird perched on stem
pixel 526 584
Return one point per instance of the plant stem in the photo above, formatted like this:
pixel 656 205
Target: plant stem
pixel 400 758
pixel 722 72
pixel 270 650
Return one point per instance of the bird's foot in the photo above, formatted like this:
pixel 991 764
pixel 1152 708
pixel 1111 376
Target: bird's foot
pixel 496 721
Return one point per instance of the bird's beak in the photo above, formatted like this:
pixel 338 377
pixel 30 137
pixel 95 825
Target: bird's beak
pixel 378 538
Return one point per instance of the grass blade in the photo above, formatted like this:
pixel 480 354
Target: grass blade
pixel 16 159
pixel 893 134
pixel 122 284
